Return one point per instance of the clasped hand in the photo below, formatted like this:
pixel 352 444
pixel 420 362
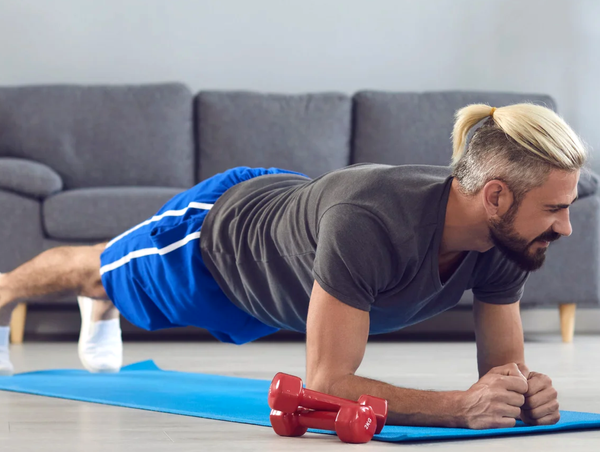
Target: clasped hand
pixel 507 393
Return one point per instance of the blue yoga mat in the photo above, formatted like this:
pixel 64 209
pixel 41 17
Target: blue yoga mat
pixel 147 387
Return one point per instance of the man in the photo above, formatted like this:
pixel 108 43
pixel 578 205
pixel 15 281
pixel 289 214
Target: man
pixel 362 250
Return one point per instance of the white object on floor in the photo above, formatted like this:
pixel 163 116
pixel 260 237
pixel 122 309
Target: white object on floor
pixel 100 344
pixel 6 367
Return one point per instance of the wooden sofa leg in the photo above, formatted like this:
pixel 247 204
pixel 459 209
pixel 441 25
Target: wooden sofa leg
pixel 567 321
pixel 17 323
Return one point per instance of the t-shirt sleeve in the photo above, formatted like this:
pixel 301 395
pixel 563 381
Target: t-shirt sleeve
pixel 503 282
pixel 354 258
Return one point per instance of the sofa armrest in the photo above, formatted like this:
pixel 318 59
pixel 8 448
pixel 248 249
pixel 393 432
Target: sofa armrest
pixel 28 178
pixel 588 183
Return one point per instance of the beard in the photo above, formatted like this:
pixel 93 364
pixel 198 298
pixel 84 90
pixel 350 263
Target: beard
pixel 516 248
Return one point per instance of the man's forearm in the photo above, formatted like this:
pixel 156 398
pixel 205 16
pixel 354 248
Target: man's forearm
pixel 487 361
pixel 405 406
pixel 499 335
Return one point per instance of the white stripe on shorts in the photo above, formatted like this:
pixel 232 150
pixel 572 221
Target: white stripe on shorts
pixel 168 213
pixel 148 252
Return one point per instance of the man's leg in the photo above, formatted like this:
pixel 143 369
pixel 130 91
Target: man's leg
pixel 66 270
pixel 69 270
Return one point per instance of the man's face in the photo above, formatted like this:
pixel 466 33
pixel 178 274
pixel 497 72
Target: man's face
pixel 523 234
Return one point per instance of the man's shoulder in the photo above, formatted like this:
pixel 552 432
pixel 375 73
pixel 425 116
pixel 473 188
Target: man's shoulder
pixel 412 171
pixel 400 183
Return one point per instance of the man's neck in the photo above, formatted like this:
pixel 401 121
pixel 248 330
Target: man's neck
pixel 465 225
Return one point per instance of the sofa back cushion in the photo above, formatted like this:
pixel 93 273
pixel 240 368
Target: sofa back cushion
pixel 309 133
pixel 100 136
pixel 404 128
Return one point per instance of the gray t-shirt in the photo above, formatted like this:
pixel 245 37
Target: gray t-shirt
pixel 368 233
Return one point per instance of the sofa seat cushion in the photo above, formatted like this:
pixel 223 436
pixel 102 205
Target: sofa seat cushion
pixel 101 213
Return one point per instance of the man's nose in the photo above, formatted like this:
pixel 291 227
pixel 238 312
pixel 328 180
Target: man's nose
pixel 563 224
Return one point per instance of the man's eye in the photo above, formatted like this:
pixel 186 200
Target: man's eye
pixel 554 210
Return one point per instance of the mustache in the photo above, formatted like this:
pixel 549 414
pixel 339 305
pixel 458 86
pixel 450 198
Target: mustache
pixel 549 236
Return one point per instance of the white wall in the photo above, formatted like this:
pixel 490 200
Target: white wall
pixel 546 46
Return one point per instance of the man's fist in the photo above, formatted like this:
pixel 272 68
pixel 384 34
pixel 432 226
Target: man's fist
pixel 541 401
pixel 495 401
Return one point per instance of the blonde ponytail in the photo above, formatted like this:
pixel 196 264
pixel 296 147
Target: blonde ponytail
pixel 466 118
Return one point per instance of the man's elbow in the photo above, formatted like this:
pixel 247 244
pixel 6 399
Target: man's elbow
pixel 320 383
pixel 325 383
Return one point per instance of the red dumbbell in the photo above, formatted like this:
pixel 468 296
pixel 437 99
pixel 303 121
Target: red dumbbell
pixel 287 395
pixel 352 424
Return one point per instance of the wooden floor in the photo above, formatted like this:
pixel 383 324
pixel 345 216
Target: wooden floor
pixel 32 423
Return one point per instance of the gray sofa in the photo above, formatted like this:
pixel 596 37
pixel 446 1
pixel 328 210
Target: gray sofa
pixel 81 164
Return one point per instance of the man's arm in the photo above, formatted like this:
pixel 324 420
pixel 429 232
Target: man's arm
pixel 337 335
pixel 499 335
pixel 500 341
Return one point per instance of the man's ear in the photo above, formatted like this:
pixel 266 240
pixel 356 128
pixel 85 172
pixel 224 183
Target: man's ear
pixel 496 198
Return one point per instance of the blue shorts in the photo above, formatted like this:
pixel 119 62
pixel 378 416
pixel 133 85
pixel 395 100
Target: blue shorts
pixel 155 276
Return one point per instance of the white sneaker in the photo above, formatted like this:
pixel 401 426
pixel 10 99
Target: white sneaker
pixel 100 344
pixel 6 367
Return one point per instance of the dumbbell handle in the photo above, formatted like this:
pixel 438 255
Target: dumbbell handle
pixel 307 398
pixel 322 402
pixel 344 423
pixel 322 420
pixel 325 402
